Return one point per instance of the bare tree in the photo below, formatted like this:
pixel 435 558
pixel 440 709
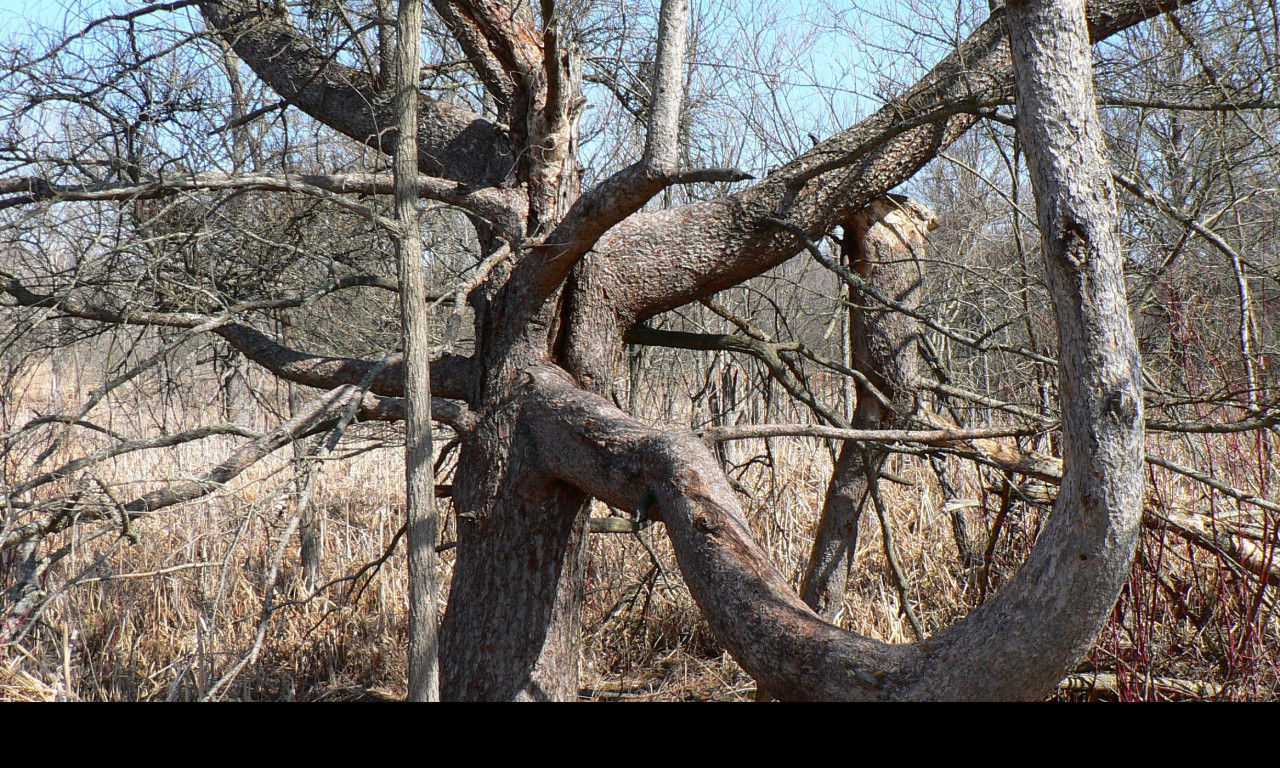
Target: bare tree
pixel 420 492
pixel 562 279
pixel 880 245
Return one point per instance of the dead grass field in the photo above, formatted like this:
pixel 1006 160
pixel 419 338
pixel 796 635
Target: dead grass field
pixel 179 613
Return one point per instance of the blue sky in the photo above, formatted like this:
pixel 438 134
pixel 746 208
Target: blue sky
pixel 844 61
pixel 15 14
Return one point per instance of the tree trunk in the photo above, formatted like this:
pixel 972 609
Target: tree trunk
pixel 583 272
pixel 514 621
pixel 879 245
pixel 564 278
pixel 1049 614
pixel 420 486
pixel 310 535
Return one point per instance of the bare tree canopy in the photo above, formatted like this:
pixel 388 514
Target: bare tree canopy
pixel 583 187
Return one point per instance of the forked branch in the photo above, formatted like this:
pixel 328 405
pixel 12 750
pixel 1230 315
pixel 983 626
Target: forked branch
pixel 625 192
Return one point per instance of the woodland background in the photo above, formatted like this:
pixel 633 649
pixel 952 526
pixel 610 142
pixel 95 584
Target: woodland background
pixel 287 582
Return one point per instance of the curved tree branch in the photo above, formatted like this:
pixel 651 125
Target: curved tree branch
pixel 1049 614
pixel 450 376
pixel 674 477
pixel 654 262
pixel 452 142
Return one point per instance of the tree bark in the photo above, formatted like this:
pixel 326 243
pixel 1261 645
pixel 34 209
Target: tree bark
pixel 550 325
pixel 513 626
pixel 1049 614
pixel 879 245
pixel 420 485
pixel 567 277
pixel 522 539
pixel 453 142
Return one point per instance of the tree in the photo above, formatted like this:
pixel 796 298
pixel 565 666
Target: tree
pixel 877 245
pixel 420 482
pixel 567 277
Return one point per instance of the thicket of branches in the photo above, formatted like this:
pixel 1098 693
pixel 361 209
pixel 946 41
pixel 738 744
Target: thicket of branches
pixel 189 259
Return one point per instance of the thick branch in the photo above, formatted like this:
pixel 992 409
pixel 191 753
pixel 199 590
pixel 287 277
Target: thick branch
pixel 588 443
pixel 500 41
pixel 1050 612
pixel 452 142
pixel 627 191
pixel 662 142
pixel 672 476
pixel 450 376
pixel 657 261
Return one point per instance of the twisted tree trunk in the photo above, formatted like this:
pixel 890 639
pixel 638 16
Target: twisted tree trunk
pixel 574 274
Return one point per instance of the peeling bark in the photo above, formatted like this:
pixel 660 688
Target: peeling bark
pixel 880 244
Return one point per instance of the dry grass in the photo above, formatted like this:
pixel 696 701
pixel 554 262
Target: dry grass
pixel 167 617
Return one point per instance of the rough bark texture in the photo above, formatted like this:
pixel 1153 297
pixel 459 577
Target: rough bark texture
pixel 552 318
pixel 1052 610
pixel 880 245
pixel 452 142
pixel 420 483
pixel 512 628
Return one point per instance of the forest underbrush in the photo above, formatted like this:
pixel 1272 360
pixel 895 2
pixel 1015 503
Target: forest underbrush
pixel 208 600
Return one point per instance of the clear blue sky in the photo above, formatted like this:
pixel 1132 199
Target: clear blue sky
pixel 17 14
